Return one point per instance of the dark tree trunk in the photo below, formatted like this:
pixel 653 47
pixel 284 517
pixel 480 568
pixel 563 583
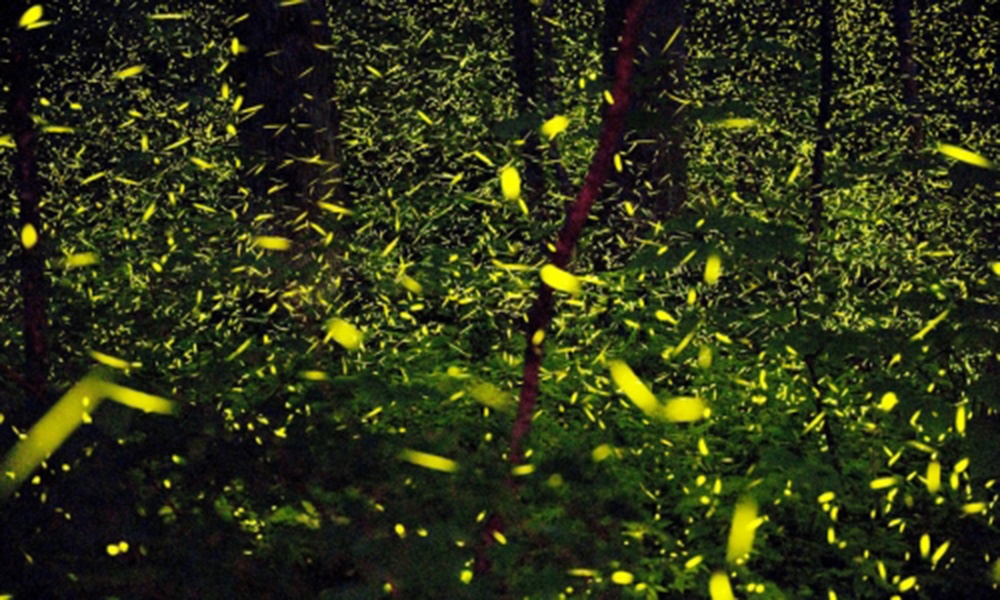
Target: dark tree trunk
pixel 662 74
pixel 540 313
pixel 526 78
pixel 549 71
pixel 658 173
pixel 600 170
pixel 20 78
pixel 614 14
pixel 823 141
pixel 523 54
pixel 903 22
pixel 291 140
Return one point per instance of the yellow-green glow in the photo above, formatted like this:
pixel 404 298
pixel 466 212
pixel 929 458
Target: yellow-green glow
pixel 31 16
pixel 510 183
pixel 29 236
pixel 684 409
pixel 130 72
pixel 713 269
pixel 136 399
pixel 963 155
pixel 429 461
pixel 555 126
pixel 343 333
pixel 622 578
pixel 888 402
pixel 633 387
pixel 71 411
pixel 270 242
pixel 719 587
pixel 742 530
pixel 557 279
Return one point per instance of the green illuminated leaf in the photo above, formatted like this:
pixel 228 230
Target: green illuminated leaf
pixel 490 395
pixel 737 123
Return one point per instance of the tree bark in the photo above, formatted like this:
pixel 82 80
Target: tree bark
pixel 903 22
pixel 291 139
pixel 20 78
pixel 662 73
pixel 823 141
pixel 526 78
pixel 600 169
pixel 658 172
pixel 540 313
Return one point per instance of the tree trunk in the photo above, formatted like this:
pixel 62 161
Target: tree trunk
pixel 291 140
pixel 20 78
pixel 526 78
pixel 663 72
pixel 658 171
pixel 823 140
pixel 903 22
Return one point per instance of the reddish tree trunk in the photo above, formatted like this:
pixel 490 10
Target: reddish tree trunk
pixel 540 313
pixel 600 169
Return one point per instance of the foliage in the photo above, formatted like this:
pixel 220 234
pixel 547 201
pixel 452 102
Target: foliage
pixel 290 470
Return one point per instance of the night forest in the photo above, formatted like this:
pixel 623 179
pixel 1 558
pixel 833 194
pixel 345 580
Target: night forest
pixel 351 299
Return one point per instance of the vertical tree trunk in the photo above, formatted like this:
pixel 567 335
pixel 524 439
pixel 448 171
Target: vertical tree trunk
pixel 614 14
pixel 823 141
pixel 659 166
pixel 526 78
pixel 523 53
pixel 667 163
pixel 540 313
pixel 600 170
pixel 291 141
pixel 20 74
pixel 902 19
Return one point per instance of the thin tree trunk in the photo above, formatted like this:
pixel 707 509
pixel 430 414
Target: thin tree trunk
pixel 290 141
pixel 902 19
pixel 600 169
pixel 658 171
pixel 540 313
pixel 823 141
pixel 525 76
pixel 20 78
pixel 667 161
pixel 827 27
